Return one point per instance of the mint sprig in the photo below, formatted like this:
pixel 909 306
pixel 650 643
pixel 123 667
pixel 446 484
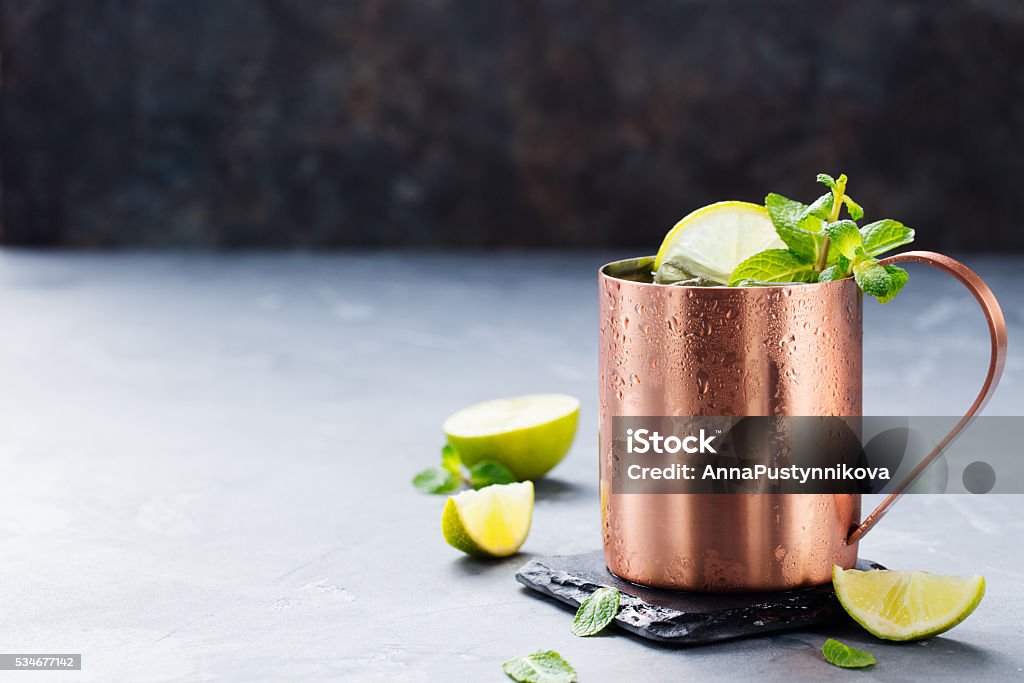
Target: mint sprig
pixel 821 247
pixel 542 666
pixel 846 657
pixel 450 475
pixel 596 612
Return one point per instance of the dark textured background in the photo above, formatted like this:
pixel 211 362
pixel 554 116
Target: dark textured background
pixel 522 123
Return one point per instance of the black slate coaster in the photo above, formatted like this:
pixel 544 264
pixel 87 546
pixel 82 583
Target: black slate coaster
pixel 682 618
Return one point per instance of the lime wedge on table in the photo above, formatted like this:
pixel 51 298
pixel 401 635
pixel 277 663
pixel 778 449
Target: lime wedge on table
pixel 906 605
pixel 715 239
pixel 491 522
pixel 527 434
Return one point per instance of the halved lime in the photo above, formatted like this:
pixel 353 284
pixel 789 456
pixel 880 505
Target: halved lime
pixel 491 522
pixel 527 434
pixel 906 605
pixel 713 240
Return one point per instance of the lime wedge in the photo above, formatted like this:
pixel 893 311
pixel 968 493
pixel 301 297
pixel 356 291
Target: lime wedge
pixel 527 434
pixel 906 605
pixel 713 240
pixel 491 522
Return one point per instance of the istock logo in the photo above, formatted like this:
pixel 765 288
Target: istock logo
pixel 647 441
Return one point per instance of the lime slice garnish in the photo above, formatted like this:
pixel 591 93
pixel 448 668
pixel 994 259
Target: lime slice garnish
pixel 491 522
pixel 906 605
pixel 527 434
pixel 713 240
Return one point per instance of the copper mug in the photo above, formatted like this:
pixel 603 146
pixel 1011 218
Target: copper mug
pixel 728 351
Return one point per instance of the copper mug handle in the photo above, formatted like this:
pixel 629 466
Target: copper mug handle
pixel 996 328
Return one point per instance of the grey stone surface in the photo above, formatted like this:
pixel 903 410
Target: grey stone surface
pixel 468 123
pixel 206 466
pixel 682 618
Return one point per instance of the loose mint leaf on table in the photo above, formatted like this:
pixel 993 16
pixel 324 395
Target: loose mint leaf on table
pixel 596 612
pixel 436 480
pixel 844 236
pixel 844 656
pixel 488 472
pixel 542 666
pixel 883 235
pixel 449 475
pixel 450 460
pixel 774 265
pixel 897 278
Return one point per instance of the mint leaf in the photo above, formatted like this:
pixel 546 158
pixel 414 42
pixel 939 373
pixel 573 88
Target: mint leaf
pixel 844 236
pixel 596 612
pixel 832 273
pixel 784 212
pixel 542 666
pixel 800 232
pixel 488 472
pixel 897 278
pixel 844 656
pixel 872 277
pixel 801 242
pixel 821 207
pixel 436 480
pixel 856 212
pixel 791 213
pixel 837 185
pixel 450 460
pixel 883 235
pixel 774 265
pixel 840 268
